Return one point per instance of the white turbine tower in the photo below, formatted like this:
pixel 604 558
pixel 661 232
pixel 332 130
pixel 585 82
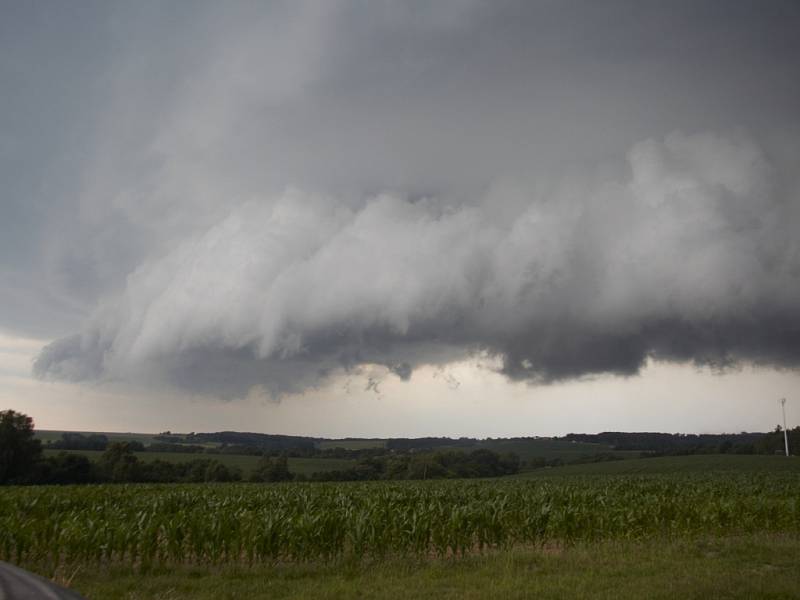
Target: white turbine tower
pixel 785 434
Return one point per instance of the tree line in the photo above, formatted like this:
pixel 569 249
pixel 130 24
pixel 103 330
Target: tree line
pixel 675 444
pixel 22 462
pixel 258 444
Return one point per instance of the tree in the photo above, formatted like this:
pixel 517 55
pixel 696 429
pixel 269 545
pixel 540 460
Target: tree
pixel 262 470
pixel 66 468
pixel 119 463
pixel 19 451
pixel 216 471
pixel 280 470
pixel 269 470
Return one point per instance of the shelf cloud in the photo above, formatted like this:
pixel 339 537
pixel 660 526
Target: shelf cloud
pixel 275 194
pixel 692 256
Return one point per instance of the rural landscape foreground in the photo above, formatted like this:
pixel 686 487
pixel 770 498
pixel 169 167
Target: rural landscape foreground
pixel 582 516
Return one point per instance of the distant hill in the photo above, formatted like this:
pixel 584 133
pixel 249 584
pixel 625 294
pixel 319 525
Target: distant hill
pixel 574 447
pixel 686 443
pixel 661 442
pixel 251 443
pixel 260 440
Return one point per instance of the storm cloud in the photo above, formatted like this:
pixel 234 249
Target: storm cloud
pixel 691 257
pixel 277 194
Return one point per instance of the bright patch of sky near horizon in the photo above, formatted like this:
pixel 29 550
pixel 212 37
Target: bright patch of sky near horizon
pixel 310 217
pixel 463 399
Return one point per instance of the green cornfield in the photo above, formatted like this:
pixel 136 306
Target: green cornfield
pixel 143 525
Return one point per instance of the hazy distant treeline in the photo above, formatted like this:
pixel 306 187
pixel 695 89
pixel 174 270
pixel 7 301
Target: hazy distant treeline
pixel 258 444
pixel 682 443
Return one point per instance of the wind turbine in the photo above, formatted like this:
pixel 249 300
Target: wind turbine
pixel 785 435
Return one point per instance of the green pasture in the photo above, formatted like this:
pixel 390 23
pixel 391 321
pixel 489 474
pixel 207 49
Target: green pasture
pixel 527 449
pixel 351 444
pixel 52 435
pixel 306 466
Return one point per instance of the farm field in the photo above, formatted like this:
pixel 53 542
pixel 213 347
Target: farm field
pixel 254 523
pixel 246 463
pixel 725 526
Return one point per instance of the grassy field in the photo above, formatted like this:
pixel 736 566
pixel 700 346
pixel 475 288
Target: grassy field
pixel 52 435
pixel 351 444
pixel 746 567
pixel 306 466
pixel 526 448
pixel 716 526
pixel 669 464
pixel 708 463
pixel 550 449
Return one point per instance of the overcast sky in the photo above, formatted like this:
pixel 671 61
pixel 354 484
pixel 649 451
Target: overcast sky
pixel 400 218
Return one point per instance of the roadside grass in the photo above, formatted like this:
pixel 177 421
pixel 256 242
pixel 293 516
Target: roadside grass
pixel 753 566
